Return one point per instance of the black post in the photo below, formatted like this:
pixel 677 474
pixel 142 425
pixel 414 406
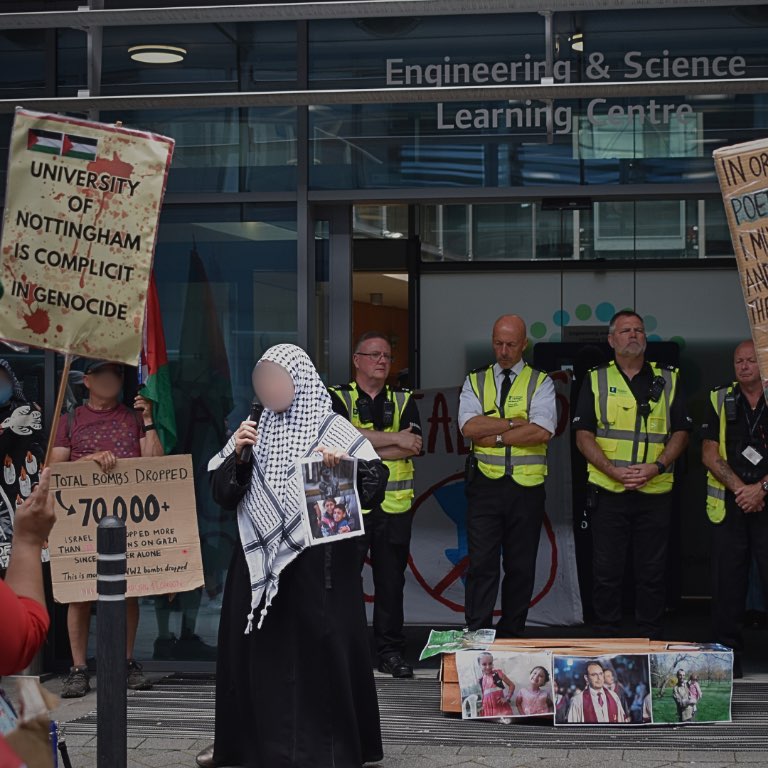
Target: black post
pixel 112 702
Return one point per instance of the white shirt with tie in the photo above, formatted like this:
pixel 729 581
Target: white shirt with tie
pixel 543 407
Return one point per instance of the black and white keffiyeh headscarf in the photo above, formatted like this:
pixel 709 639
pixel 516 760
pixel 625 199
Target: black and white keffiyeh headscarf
pixel 269 515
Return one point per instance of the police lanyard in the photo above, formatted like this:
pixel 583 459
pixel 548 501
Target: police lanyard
pixel 752 425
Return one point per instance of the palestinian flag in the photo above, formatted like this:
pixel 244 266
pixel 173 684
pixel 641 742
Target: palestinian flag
pixel 79 147
pixel 154 372
pixel 44 141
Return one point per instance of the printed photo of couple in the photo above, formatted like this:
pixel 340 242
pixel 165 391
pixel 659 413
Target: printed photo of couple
pixel 504 684
pixel 603 690
pixel 331 503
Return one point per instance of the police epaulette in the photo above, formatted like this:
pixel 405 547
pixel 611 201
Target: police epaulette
pixel 667 366
pixel 598 367
pixel 482 368
pixel 341 387
pixel 722 386
pixel 404 390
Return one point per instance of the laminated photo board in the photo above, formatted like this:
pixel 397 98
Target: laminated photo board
pixel 330 503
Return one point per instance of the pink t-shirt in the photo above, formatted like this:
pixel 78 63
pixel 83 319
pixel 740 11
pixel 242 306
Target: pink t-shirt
pixel 117 430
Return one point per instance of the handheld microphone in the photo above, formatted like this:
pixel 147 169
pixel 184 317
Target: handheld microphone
pixel 255 415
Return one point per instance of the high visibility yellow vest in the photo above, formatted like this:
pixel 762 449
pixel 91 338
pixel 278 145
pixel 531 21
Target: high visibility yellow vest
pixel 715 489
pixel 399 493
pixel 624 436
pixel 527 465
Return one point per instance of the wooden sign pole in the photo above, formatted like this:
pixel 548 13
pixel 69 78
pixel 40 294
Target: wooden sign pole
pixel 57 410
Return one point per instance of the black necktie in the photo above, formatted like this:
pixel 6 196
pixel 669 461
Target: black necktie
pixel 506 385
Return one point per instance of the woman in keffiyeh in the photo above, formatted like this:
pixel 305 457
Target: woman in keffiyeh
pixel 294 682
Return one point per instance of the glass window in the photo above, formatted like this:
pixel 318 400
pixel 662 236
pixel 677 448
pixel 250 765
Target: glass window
pixel 504 143
pixel 380 222
pixel 22 62
pixel 71 61
pixel 607 230
pixel 225 150
pixel 211 58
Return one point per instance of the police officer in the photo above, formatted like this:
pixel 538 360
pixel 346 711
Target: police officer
pixel 508 412
pixel 389 418
pixel 735 451
pixel 631 425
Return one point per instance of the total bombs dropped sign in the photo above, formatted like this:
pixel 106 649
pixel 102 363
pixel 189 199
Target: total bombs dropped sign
pixel 155 497
pixel 79 229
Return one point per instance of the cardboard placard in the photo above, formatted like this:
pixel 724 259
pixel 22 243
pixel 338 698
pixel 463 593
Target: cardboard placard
pixel 79 229
pixel 155 497
pixel 742 171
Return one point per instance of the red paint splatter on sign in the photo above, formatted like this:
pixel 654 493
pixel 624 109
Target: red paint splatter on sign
pixel 115 166
pixel 38 321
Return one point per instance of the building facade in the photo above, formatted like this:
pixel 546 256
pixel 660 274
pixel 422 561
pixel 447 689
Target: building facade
pixel 420 172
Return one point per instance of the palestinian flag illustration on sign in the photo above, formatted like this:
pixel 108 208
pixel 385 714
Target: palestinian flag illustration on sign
pixel 79 146
pixel 64 144
pixel 44 141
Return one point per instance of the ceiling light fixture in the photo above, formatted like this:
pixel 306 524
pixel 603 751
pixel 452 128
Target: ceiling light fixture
pixel 577 42
pixel 157 54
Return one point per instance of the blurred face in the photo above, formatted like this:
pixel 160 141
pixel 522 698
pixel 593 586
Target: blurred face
pixel 509 341
pixel 745 364
pixel 608 677
pixel 628 337
pixel 338 514
pixel 329 505
pixel 681 677
pixel 595 676
pixel 273 386
pixel 105 382
pixel 373 359
pixel 538 678
pixel 486 664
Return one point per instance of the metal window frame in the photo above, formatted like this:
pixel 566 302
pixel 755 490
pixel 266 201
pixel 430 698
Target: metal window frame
pixel 343 9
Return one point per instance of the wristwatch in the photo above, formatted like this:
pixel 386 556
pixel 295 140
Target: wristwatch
pixel 147 428
pixel 499 441
pixel 660 466
pixel 764 486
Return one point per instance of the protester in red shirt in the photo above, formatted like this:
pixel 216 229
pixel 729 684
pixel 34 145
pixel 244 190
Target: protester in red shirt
pixel 104 430
pixel 22 599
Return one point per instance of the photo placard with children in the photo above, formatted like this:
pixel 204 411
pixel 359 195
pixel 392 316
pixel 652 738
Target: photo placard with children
pixel 504 684
pixel 692 687
pixel 331 504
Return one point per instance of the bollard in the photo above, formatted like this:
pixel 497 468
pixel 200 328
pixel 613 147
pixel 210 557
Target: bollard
pixel 112 701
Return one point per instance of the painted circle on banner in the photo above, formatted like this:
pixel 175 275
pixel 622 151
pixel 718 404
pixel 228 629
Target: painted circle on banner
pixel 437 590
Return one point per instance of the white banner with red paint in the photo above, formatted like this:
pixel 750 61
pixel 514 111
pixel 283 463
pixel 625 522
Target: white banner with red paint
pixel 434 587
pixel 79 227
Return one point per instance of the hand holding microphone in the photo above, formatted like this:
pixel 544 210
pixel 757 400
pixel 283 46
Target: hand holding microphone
pixel 245 437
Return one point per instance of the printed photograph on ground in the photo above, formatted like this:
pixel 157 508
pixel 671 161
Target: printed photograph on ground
pixel 331 503
pixel 504 684
pixel 602 690
pixel 692 687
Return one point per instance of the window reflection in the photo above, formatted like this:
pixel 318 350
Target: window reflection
pixel 607 230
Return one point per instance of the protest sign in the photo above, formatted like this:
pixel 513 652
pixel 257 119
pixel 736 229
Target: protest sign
pixel 79 228
pixel 742 171
pixel 156 499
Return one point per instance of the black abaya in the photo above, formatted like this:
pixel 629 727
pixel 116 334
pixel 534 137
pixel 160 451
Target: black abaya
pixel 299 692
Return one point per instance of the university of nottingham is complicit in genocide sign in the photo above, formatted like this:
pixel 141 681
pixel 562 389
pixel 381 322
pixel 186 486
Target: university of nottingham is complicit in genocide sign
pixel 79 229
pixel 742 171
